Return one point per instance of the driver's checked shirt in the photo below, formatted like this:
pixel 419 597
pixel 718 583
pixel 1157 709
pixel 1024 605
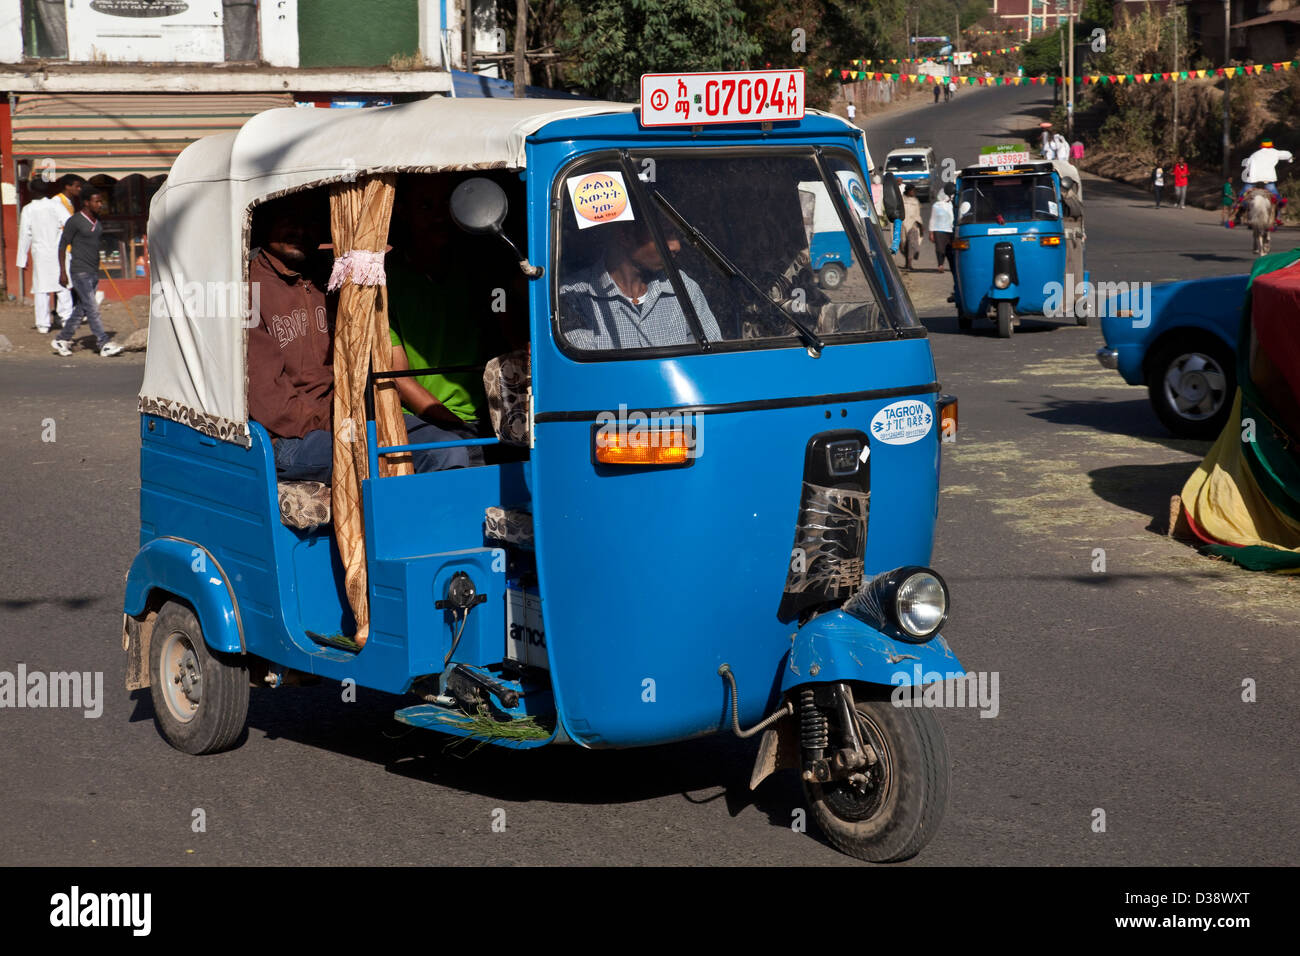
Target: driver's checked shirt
pixel 595 314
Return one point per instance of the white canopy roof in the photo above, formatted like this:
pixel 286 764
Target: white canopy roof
pixel 198 223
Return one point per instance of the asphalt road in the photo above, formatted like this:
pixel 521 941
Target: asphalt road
pixel 1120 690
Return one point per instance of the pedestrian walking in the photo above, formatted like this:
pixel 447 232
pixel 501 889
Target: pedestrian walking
pixel 851 110
pixel 936 93
pixel 1229 201
pixel 911 227
pixel 1181 175
pixel 950 90
pixel 1062 147
pixel 941 230
pixel 893 201
pixel 81 235
pixel 1076 151
pixel 39 231
pixel 1157 182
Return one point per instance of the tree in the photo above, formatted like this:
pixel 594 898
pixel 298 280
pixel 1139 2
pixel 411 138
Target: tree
pixel 612 42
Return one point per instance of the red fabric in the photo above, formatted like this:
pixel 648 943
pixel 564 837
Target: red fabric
pixel 1275 311
pixel 1180 174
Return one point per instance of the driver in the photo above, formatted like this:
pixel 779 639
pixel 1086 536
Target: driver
pixel 624 300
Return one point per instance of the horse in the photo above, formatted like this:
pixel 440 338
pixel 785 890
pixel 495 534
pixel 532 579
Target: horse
pixel 1259 217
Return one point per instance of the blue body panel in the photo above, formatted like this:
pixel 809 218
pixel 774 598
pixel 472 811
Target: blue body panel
pixel 830 247
pixel 1202 305
pixel 839 647
pixel 649 578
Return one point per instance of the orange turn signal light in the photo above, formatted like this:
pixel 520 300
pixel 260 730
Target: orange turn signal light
pixel 961 244
pixel 1050 241
pixel 665 446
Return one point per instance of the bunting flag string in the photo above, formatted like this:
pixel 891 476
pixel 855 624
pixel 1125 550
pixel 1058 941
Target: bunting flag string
pixel 1096 79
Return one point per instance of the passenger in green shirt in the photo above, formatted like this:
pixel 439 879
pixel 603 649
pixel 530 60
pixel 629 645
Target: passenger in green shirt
pixel 431 322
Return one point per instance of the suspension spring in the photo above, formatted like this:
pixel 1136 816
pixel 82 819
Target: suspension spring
pixel 814 734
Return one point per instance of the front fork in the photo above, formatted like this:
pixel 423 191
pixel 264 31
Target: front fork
pixel 827 755
pixel 822 742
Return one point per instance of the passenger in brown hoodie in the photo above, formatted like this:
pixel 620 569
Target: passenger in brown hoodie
pixel 290 350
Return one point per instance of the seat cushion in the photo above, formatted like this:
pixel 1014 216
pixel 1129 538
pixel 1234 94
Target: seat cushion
pixel 304 504
pixel 511 527
pixel 506 379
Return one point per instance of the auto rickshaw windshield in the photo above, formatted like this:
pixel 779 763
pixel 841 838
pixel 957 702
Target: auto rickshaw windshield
pixel 737 229
pixel 1002 199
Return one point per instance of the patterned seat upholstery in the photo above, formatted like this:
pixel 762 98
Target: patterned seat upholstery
pixel 509 526
pixel 304 505
pixel 506 380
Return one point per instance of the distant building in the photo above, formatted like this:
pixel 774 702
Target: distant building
pixel 113 90
pixel 1259 30
pixel 1031 17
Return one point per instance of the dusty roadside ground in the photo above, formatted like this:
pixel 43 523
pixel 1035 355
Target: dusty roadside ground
pixel 1072 460
pixel 18 325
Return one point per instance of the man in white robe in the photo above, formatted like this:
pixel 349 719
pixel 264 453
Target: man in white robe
pixel 39 230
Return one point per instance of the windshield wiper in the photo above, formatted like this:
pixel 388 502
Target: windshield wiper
pixel 732 271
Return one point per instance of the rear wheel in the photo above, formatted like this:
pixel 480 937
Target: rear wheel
pixel 1004 320
pixel 200 697
pixel 831 275
pixel 896 809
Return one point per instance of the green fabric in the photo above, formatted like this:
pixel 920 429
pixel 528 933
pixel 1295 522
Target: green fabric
pixel 1271 460
pixel 1229 197
pixel 1256 558
pixel 435 325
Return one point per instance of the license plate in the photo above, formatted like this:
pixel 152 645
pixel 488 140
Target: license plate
pixel 698 99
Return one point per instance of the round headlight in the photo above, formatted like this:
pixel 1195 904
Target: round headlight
pixel 921 603
pixel 1001 280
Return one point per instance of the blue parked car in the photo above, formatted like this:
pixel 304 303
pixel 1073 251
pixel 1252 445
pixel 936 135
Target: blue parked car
pixel 1182 348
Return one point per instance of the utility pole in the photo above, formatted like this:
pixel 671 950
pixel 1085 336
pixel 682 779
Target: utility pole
pixel 1069 82
pixel 1061 36
pixel 1174 8
pixel 469 36
pixel 521 41
pixel 1227 104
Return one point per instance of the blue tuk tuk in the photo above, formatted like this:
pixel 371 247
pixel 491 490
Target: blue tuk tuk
pixel 672 533
pixel 1019 242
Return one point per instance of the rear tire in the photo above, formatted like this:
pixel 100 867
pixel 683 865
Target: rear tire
pixel 200 697
pixel 1004 320
pixel 898 816
pixel 831 276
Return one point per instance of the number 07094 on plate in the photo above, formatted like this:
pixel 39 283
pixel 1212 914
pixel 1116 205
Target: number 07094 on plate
pixel 697 99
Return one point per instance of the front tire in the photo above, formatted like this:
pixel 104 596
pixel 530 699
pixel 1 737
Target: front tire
pixel 898 811
pixel 1004 320
pixel 1191 381
pixel 200 697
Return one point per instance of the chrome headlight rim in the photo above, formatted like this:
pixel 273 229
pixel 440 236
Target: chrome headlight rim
pixel 1002 281
pixel 891 586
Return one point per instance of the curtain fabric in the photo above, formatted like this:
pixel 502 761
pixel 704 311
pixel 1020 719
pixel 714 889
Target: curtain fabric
pixel 359 216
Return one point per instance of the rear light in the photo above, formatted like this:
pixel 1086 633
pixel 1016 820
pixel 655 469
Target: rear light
pixel 656 447
pixel 961 243
pixel 1050 241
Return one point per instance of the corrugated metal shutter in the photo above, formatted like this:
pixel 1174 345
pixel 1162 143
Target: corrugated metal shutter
pixel 121 134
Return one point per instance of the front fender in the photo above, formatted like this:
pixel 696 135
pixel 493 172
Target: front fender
pixel 840 647
pixel 187 571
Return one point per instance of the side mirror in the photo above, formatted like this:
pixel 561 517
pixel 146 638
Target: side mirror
pixel 1067 183
pixel 479 207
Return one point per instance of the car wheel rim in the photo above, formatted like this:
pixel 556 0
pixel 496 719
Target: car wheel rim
pixel 181 677
pixel 1195 386
pixel 855 802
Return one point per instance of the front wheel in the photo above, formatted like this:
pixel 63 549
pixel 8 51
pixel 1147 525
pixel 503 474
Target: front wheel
pixel 1192 381
pixel 200 697
pixel 1004 320
pixel 896 810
